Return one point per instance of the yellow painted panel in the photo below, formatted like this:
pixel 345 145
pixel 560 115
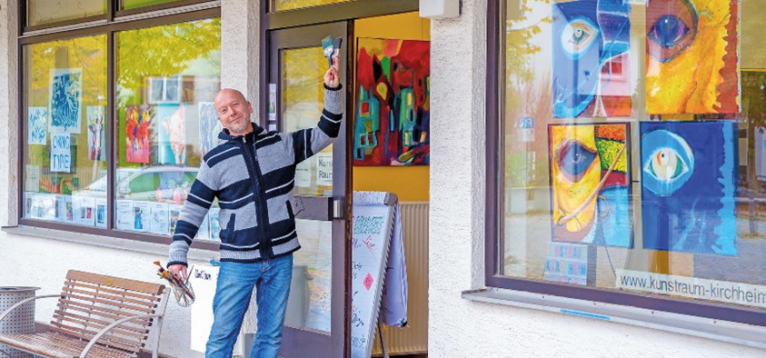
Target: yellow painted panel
pixel 409 183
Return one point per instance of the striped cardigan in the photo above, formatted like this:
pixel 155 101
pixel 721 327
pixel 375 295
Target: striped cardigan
pixel 253 177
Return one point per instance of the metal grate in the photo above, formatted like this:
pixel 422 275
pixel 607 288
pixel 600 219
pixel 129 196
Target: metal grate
pixel 21 320
pixel 414 338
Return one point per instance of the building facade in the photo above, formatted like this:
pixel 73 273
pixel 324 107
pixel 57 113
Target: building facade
pixel 594 167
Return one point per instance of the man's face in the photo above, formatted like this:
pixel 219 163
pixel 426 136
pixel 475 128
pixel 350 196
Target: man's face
pixel 233 111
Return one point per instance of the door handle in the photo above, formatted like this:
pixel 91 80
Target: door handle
pixel 339 208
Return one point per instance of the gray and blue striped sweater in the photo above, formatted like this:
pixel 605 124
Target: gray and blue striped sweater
pixel 253 177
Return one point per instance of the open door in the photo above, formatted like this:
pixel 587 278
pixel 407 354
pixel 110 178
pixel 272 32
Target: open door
pixel 317 313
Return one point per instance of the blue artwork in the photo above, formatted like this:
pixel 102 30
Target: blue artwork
pixel 209 127
pixel 66 100
pixel 591 39
pixel 688 175
pixel 38 125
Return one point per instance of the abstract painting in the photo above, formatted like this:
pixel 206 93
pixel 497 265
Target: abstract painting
pixel 692 56
pixel 590 183
pixel 96 138
pixel 392 107
pixel 688 176
pixel 591 42
pixel 37 125
pixel 209 127
pixel 172 133
pixel 138 120
pixel 66 99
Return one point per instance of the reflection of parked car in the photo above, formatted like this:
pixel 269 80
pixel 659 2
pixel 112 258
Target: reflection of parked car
pixel 159 183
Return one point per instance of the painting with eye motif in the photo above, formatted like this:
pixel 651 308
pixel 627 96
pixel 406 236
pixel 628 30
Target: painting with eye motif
pixel 590 183
pixel 591 42
pixel 692 56
pixel 688 176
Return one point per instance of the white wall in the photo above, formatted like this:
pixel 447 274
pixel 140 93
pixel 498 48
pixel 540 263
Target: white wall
pixel 462 328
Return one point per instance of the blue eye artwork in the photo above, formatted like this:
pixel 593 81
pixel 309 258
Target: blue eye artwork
pixel 573 159
pixel 587 36
pixel 688 181
pixel 668 31
pixel 669 163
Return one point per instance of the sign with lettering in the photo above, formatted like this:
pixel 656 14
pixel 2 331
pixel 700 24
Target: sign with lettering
pixel 324 168
pixel 61 153
pixel 370 242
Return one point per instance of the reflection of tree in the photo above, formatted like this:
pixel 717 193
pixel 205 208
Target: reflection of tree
pixel 528 92
pixel 297 4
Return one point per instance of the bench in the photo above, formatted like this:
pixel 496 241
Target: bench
pixel 97 316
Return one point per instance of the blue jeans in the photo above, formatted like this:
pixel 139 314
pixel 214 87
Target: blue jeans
pixel 271 279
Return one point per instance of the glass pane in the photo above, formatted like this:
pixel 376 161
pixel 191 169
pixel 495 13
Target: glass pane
pixel 280 5
pixel 302 103
pixel 166 122
pixel 633 148
pixel 309 304
pixel 135 4
pixel 65 131
pixel 41 12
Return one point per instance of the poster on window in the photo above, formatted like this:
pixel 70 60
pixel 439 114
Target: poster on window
pixel 61 152
pixel 65 105
pixel 172 133
pixel 96 136
pixel 32 178
pixel 100 212
pixel 84 210
pixel 204 229
pixel 138 122
pixel 141 216
pixel 175 215
pixel 125 215
pixel 64 208
pixel 324 168
pixel 688 185
pixel 37 125
pixel 160 219
pixel 209 127
pixel 215 226
pixel 692 57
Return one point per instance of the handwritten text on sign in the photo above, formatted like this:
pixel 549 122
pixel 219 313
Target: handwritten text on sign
pixel 61 153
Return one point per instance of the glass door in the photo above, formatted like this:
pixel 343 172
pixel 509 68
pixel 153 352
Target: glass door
pixel 315 325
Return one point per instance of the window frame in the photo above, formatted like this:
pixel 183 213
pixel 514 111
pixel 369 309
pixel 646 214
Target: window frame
pixel 494 226
pixel 154 16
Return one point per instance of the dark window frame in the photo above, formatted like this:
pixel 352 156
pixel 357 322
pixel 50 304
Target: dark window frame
pixel 109 30
pixel 494 190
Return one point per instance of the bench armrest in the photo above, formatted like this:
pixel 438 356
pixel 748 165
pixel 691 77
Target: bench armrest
pixel 119 322
pixel 8 311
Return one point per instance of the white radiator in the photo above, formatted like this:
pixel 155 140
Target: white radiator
pixel 414 338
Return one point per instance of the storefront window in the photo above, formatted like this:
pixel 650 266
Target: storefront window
pixel 64 164
pixel 167 79
pixel 632 143
pixel 280 5
pixel 41 12
pixel 136 4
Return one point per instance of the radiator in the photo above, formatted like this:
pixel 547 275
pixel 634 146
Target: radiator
pixel 412 339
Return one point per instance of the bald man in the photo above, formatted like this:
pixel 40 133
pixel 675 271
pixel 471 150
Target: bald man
pixel 252 173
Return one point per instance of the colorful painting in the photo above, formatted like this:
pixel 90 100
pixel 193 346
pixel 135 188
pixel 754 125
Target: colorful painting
pixel 591 69
pixel 688 176
pixel 209 127
pixel 590 183
pixel 96 137
pixel 392 108
pixel 692 56
pixel 37 127
pixel 138 121
pixel 172 133
pixel 59 185
pixel 66 99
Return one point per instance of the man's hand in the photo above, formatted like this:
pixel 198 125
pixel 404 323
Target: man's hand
pixel 331 77
pixel 177 270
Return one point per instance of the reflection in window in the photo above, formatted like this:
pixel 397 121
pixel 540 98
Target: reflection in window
pixel 280 5
pixel 41 12
pixel 594 193
pixel 167 79
pixel 65 131
pixel 136 4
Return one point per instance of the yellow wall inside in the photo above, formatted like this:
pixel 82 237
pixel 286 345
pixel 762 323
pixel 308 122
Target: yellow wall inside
pixel 409 183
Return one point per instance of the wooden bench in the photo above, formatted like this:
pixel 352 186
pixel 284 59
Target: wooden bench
pixel 97 316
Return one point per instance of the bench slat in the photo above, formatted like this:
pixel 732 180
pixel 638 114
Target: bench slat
pixel 145 287
pixel 106 340
pixel 117 331
pixel 138 295
pixel 101 311
pixel 109 303
pixel 108 296
pixel 55 345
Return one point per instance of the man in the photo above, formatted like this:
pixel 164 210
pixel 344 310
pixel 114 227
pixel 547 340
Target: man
pixel 252 173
